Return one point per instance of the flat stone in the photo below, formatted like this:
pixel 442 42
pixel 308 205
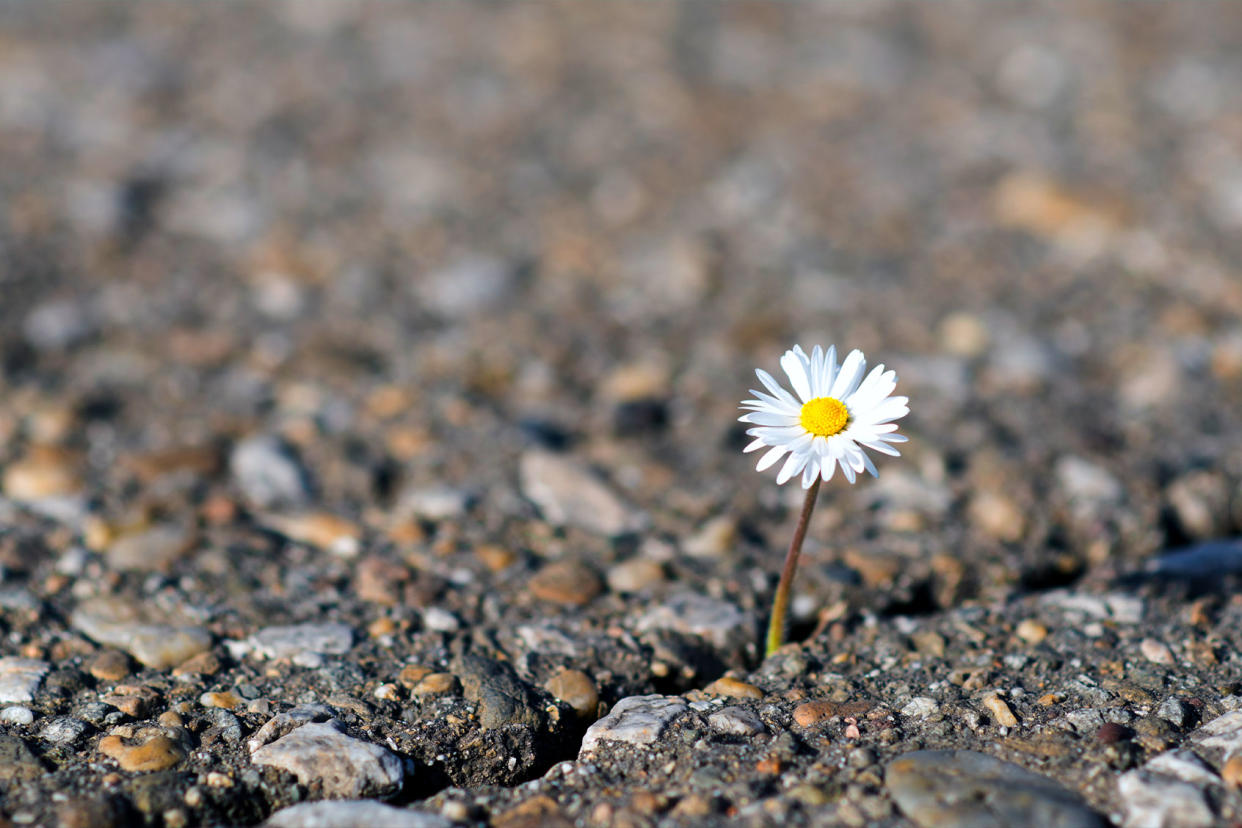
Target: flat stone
pixel 733 689
pixel 635 720
pixel 1205 560
pixel 920 707
pixel 959 788
pixel 566 582
pixel 333 764
pixel 133 629
pixel 41 474
pixel 1118 606
pixel 155 548
pixel 1154 801
pixel 321 530
pixel 635 575
pixel 147 752
pixel 268 473
pixel 289 641
pixel 736 721
pixel 501 696
pixel 20 678
pixel 567 494
pixel 351 814
pixel 17 761
pixel 63 730
pixel 1223 733
pixel 1183 765
pixel 719 622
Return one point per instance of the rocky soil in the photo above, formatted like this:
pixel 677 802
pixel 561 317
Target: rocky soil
pixel 368 384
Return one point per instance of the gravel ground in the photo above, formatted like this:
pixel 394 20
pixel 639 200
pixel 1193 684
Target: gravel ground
pixel 369 380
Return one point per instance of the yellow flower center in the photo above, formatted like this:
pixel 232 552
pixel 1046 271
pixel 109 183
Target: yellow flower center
pixel 824 416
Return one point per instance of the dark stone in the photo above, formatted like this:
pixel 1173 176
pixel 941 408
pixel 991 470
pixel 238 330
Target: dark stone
pixel 501 696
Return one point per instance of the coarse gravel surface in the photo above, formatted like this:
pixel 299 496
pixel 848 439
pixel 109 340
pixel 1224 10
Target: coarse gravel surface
pixel 368 391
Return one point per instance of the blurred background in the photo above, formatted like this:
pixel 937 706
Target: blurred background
pixel 404 245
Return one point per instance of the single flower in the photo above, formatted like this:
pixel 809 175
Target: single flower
pixel 835 415
pixel 838 412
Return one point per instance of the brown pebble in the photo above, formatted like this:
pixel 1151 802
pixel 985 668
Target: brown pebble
pixel 170 718
pixel 435 684
pixel 576 689
pixel 769 766
pixel 814 712
pixel 1049 699
pixel 135 701
pixel 157 753
pixel 645 802
pixel 227 700
pixel 495 558
pixel 733 688
pixel 691 806
pixel 1231 772
pixel 1032 632
pixel 412 674
pixel 540 810
pixel 43 472
pixel 205 664
pixel 379 580
pixel 566 582
pixel 322 530
pixel 1000 711
pixel 381 626
pixel 109 665
pixel 1110 733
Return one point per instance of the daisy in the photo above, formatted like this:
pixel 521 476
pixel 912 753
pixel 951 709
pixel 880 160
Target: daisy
pixel 836 414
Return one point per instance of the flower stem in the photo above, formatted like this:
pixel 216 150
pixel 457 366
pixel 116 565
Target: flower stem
pixel 780 602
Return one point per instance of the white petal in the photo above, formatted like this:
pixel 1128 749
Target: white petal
pixel 769 459
pixel 817 372
pixel 847 471
pixel 810 473
pixel 795 364
pixel 769 418
pixel 848 377
pixel 755 445
pixel 870 466
pixel 829 467
pixel 775 387
pixel 792 466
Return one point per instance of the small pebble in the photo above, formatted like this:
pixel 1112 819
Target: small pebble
pixel 158 752
pixel 566 582
pixel 17 715
pixel 635 575
pixel 1110 733
pixel 109 665
pixel 435 684
pixel 1157 652
pixel 1032 632
pixel 1000 711
pixel 227 700
pixel 813 712
pixel 576 689
pixel 734 689
pixel 1231 771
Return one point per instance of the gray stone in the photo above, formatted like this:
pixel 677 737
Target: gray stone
pixel 20 678
pixel 291 641
pixel 433 503
pixel 736 721
pixel 129 628
pixel 959 788
pixel 155 548
pixel 718 622
pixel 58 324
pixel 17 715
pixel 1088 486
pixel 469 285
pixel 63 730
pixel 333 764
pixel 501 696
pixel 351 814
pixel 920 707
pixel 569 495
pixel 1174 711
pixel 16 760
pixel 635 720
pixel 268 473
pixel 1153 801
pixel 1116 606
pixel 1183 765
pixel 1204 560
pixel 1223 733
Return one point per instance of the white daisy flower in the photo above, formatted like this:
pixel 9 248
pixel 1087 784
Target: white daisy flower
pixel 836 414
